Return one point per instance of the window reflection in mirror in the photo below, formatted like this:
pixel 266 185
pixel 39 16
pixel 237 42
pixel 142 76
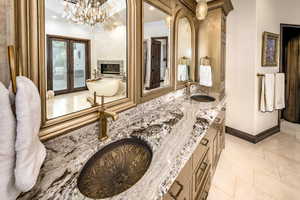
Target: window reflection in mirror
pixel 156 57
pixel 83 57
pixel 184 50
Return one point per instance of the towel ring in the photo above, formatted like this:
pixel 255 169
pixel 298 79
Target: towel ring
pixel 205 61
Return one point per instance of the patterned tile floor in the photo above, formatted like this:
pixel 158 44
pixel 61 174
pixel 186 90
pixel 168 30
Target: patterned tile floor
pixel 269 170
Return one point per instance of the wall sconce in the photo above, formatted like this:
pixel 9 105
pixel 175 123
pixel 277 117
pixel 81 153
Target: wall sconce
pixel 201 9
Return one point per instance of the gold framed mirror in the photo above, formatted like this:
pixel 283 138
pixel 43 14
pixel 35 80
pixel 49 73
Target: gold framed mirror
pixel 69 60
pixel 185 48
pixel 157 50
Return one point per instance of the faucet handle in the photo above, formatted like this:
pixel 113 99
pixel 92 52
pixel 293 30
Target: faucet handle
pixel 102 101
pixel 95 98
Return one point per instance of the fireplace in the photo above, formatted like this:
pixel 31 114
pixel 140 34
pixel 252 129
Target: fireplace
pixel 111 67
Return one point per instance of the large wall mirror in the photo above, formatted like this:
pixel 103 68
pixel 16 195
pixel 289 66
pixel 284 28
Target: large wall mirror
pixel 84 55
pixel 156 72
pixel 184 50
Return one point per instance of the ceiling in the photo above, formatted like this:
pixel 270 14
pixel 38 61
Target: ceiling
pixel 152 14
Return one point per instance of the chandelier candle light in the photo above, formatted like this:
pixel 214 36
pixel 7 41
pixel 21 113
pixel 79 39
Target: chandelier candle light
pixel 89 12
pixel 201 10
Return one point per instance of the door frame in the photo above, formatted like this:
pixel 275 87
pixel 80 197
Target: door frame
pixel 167 42
pixel 70 62
pixel 152 74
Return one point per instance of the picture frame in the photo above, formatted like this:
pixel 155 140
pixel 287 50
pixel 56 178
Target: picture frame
pixel 270 49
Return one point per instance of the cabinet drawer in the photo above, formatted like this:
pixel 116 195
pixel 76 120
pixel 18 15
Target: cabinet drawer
pixel 204 193
pixel 200 152
pixel 200 173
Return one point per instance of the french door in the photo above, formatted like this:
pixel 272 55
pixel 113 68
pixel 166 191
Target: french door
pixel 68 62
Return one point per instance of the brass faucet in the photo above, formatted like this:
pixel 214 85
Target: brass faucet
pixel 103 115
pixel 188 87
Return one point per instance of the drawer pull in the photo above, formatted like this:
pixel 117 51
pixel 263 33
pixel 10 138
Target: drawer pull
pixel 175 196
pixel 203 166
pixel 204 142
pixel 205 195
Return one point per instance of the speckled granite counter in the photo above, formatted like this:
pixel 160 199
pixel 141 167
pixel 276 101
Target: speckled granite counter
pixel 168 124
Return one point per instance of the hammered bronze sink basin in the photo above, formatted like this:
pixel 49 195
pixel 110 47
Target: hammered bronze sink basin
pixel 115 168
pixel 203 98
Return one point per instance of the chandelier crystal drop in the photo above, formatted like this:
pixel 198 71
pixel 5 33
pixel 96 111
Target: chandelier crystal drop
pixel 90 12
pixel 201 9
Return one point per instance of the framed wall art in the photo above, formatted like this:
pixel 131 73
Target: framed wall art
pixel 270 51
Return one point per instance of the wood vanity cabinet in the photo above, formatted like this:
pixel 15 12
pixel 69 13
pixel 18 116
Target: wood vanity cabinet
pixel 194 180
pixel 181 188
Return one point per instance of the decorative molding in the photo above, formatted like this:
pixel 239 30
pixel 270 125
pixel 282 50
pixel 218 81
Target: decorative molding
pixel 253 138
pixel 226 5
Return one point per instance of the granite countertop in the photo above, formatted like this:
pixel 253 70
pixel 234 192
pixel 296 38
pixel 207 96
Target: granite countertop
pixel 173 128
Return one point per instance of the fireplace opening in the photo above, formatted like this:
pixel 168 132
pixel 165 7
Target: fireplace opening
pixel 111 69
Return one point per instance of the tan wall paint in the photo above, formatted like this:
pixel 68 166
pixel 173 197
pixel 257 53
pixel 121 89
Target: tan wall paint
pixel 6 37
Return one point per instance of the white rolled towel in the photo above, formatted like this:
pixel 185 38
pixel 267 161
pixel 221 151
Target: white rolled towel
pixel 8 191
pixel 30 152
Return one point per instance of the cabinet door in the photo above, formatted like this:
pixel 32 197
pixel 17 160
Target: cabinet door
pixel 181 188
pixel 215 152
pixel 212 136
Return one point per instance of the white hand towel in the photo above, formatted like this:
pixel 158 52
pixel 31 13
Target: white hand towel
pixel 279 91
pixel 268 92
pixel 29 149
pixel 205 75
pixel 262 95
pixel 8 191
pixel 183 73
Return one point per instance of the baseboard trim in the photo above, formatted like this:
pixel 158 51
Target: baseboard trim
pixel 253 138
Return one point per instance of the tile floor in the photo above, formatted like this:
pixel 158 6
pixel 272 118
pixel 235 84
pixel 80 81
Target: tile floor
pixel 68 103
pixel 269 170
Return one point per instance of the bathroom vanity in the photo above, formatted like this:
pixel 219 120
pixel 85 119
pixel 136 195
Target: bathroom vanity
pixel 186 138
pixel 139 62
pixel 194 180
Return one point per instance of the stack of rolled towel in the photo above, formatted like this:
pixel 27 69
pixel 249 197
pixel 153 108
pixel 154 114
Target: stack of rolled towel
pixel 21 151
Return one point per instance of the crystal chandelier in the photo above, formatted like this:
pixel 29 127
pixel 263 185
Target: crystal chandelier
pixel 89 12
pixel 201 9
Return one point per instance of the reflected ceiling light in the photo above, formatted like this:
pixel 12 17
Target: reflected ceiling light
pixel 89 12
pixel 54 16
pixel 201 10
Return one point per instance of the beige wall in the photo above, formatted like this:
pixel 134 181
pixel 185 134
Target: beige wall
pixel 271 13
pixel 240 66
pixel 246 25
pixel 6 38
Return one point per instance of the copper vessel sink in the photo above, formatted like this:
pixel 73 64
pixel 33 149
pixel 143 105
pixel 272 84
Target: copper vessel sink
pixel 115 168
pixel 203 98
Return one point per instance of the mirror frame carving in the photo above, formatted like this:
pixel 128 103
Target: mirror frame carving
pixel 30 45
pixel 30 54
pixel 183 12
